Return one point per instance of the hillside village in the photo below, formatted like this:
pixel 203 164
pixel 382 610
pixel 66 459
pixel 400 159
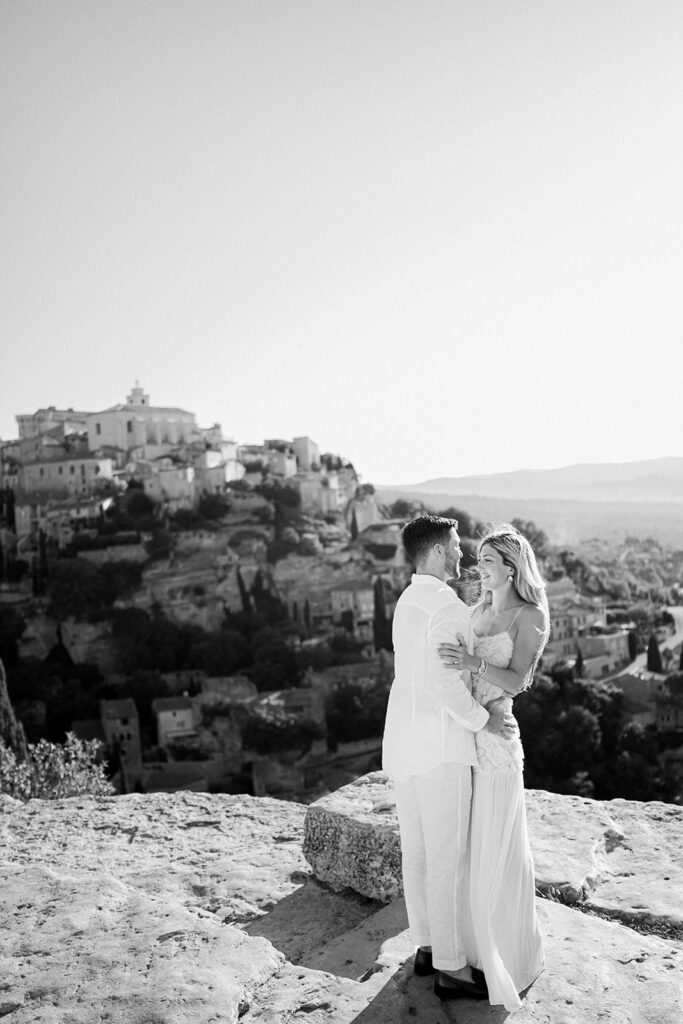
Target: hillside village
pixel 218 614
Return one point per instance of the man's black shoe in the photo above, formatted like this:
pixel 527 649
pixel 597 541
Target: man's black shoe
pixel 446 987
pixel 423 963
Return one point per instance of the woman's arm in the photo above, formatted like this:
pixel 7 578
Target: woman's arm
pixel 525 651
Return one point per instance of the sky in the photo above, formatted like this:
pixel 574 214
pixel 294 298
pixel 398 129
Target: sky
pixel 440 238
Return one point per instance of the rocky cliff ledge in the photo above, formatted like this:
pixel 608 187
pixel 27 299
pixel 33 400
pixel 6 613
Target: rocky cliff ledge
pixel 195 909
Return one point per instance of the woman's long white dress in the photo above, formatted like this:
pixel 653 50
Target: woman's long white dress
pixel 508 944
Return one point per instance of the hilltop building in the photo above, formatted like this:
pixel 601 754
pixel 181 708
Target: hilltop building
pixel 136 424
pixel 67 420
pixel 69 475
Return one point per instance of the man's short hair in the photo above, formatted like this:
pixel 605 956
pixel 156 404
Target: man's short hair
pixel 421 534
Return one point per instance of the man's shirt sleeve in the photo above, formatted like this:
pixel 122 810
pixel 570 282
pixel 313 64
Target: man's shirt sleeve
pixel 448 684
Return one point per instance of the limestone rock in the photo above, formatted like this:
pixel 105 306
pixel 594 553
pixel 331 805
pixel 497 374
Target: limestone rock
pixel 595 853
pixel 189 908
pixel 128 906
pixel 596 972
pixel 347 843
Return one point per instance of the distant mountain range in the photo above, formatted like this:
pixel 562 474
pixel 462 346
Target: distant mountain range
pixel 653 480
pixel 609 500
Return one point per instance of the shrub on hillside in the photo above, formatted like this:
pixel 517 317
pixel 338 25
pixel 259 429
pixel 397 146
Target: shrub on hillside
pixel 356 712
pixel 53 771
pixel 80 589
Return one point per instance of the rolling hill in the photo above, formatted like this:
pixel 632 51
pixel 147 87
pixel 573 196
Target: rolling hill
pixel 573 503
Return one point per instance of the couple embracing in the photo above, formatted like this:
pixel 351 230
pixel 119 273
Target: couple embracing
pixel 452 748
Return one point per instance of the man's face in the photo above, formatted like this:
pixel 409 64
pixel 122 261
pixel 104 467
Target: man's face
pixel 452 555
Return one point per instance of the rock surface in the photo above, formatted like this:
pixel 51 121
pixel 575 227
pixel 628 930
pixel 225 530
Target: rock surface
pixel 595 854
pixel 193 908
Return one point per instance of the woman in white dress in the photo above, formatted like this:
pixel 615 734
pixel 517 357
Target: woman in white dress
pixel 509 631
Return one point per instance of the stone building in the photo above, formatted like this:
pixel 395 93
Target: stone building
pixel 604 650
pixel 175 719
pixel 36 423
pixel 216 467
pixel 171 483
pixel 642 692
pixel 353 608
pixel 121 728
pixel 136 424
pixel 307 454
pixel 570 616
pixel 80 474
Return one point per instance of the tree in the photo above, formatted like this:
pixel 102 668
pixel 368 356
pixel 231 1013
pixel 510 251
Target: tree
pixel 381 627
pixel 76 589
pixel 12 626
pixel 467 525
pixel 356 712
pixel 79 588
pixel 138 504
pixel 221 654
pixel 578 664
pixel 400 509
pixel 633 645
pixel 11 730
pixel 245 598
pixel 654 657
pixel 213 506
pixel 536 537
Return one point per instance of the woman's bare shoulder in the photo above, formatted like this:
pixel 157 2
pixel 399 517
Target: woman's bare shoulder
pixel 532 617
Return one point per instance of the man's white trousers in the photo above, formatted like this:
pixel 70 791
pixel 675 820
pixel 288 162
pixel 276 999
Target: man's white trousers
pixel 434 819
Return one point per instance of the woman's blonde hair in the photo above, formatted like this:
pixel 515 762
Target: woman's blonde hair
pixel 518 555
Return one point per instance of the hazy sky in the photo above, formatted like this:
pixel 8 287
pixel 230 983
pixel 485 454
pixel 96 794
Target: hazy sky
pixel 439 237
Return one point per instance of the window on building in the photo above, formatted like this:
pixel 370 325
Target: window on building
pixel 61 470
pixel 98 428
pixel 72 469
pixel 82 469
pixel 42 471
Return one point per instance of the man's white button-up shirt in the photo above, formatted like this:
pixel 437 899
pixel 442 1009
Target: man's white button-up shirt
pixel 431 714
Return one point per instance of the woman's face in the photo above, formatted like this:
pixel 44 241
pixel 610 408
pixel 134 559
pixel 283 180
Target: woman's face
pixel 492 569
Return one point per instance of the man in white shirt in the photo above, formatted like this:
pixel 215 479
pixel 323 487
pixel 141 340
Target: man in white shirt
pixel 429 750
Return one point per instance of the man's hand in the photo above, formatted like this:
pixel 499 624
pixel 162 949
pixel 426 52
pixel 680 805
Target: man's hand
pixel 501 722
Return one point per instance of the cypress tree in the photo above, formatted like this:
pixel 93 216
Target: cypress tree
pixel 578 664
pixel 632 646
pixel 380 623
pixel 10 514
pixel 244 593
pixel 654 657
